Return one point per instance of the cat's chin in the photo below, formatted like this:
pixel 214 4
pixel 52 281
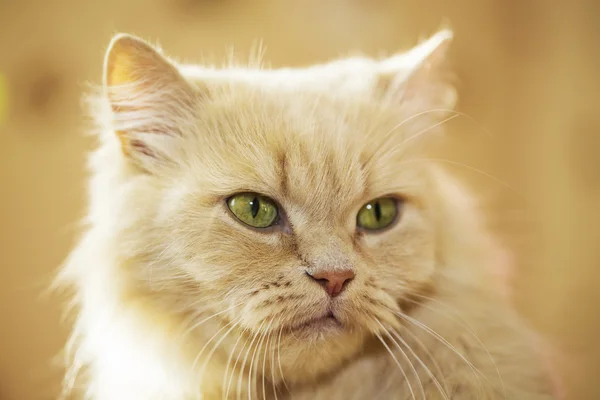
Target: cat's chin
pixel 317 348
pixel 320 327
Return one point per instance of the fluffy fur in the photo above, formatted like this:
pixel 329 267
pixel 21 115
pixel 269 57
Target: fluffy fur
pixel 176 299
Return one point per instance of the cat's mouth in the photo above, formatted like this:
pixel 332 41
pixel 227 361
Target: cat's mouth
pixel 324 323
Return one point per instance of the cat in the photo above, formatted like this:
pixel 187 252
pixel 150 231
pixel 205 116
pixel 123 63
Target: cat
pixel 278 233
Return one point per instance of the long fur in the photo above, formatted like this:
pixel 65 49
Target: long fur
pixel 175 299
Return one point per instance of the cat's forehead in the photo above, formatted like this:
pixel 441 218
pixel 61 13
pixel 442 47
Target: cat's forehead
pixel 318 152
pixel 285 145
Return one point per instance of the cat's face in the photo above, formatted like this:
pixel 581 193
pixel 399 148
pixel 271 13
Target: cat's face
pixel 294 213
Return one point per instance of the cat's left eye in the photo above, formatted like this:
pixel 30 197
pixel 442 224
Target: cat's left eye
pixel 378 214
pixel 253 209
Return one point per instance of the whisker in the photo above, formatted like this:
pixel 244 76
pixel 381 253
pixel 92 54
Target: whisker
pixel 255 336
pixel 208 342
pixel 273 362
pixel 267 343
pixel 431 357
pixel 436 335
pixel 279 360
pixel 423 131
pixel 397 363
pixel 471 168
pixel 196 325
pixel 417 115
pixel 242 367
pixel 440 110
pixel 427 370
pixel 256 353
pixel 468 327
pixel 388 135
pixel 230 379
pixel 216 345
pixel 412 367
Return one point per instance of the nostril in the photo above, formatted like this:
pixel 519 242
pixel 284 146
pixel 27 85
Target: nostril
pixel 321 281
pixel 347 281
pixel 334 282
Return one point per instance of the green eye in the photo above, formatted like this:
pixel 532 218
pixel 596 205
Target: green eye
pixel 377 214
pixel 253 209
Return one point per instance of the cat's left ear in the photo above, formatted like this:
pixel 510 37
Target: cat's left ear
pixel 421 78
pixel 152 104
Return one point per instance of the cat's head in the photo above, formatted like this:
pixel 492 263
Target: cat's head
pixel 285 202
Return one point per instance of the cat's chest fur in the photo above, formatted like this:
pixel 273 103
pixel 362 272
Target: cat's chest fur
pixel 457 359
pixel 463 372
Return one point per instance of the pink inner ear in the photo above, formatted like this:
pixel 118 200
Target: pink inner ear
pixel 503 269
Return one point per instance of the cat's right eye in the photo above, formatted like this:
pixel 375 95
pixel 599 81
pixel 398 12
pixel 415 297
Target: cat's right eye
pixel 378 214
pixel 253 209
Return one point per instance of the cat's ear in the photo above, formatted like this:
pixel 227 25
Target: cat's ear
pixel 420 79
pixel 151 102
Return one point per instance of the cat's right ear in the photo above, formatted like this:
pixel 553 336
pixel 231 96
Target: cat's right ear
pixel 420 79
pixel 152 104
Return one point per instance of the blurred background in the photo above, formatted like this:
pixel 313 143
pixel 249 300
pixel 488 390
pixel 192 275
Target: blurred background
pixel 529 77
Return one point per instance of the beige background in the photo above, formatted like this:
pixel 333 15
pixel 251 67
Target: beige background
pixel 529 72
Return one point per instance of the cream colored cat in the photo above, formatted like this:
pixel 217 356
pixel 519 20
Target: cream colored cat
pixel 277 234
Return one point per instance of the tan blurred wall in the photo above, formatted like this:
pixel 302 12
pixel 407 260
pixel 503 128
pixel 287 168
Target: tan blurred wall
pixel 528 69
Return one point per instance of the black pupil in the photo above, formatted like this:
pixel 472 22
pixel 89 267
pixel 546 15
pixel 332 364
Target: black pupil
pixel 377 211
pixel 254 204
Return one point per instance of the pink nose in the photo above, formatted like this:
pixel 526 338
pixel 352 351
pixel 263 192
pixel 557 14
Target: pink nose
pixel 334 282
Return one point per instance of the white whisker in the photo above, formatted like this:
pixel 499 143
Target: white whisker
pixel 439 337
pixel 254 337
pixel 196 325
pixel 397 363
pixel 279 360
pixel 208 342
pixel 264 341
pixel 215 346
pixel 414 116
pixel 425 130
pixel 468 327
pixel 273 362
pixel 256 353
pixel 267 344
pixel 412 367
pixel 227 380
pixel 469 167
pixel 428 354
pixel 438 110
pixel 427 370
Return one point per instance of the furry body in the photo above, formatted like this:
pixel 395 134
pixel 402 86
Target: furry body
pixel 177 300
